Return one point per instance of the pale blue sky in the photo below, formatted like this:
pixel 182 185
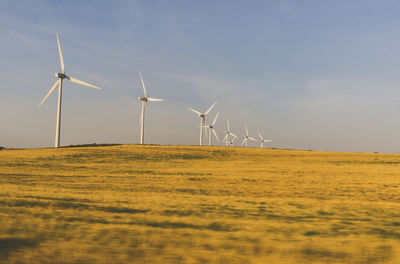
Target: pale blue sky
pixel 320 75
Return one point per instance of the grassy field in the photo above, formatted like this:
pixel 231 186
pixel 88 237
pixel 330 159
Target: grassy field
pixel 168 204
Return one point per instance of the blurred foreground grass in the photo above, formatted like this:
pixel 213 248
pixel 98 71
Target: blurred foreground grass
pixel 168 204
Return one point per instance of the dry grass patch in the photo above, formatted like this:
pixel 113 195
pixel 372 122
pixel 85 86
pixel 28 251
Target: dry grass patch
pixel 168 204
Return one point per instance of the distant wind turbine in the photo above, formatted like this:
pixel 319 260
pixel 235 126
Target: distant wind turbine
pixel 230 142
pixel 144 99
pixel 59 83
pixel 212 130
pixel 246 138
pixel 202 120
pixel 262 140
pixel 228 133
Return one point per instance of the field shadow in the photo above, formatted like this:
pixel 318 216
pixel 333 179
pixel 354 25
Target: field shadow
pixel 11 244
pixel 69 203
pixel 379 254
pixel 319 254
pixel 91 145
pixel 214 226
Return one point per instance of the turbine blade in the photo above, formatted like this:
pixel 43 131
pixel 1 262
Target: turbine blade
pixel 215 134
pixel 205 130
pixel 233 135
pixel 269 140
pixel 155 100
pixel 244 141
pixel 253 139
pixel 209 109
pixel 61 56
pixel 227 121
pixel 195 111
pixel 259 134
pixel 74 80
pixel 144 87
pixel 225 138
pixel 247 131
pixel 215 119
pixel 51 90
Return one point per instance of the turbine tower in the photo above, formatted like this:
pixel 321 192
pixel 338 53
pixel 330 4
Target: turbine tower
pixel 212 130
pixel 144 99
pixel 262 140
pixel 246 138
pixel 61 76
pixel 202 120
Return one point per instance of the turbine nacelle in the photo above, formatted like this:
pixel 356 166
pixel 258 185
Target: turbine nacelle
pixel 142 98
pixel 61 75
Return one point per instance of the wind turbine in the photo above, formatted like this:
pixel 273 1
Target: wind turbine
pixel 211 129
pixel 246 138
pixel 61 76
pixel 234 137
pixel 228 133
pixel 262 140
pixel 144 99
pixel 202 120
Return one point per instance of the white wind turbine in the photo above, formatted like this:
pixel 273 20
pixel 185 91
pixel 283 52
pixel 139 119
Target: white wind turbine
pixel 246 138
pixel 212 130
pixel 228 133
pixel 61 76
pixel 202 120
pixel 230 142
pixel 144 99
pixel 262 140
pixel 233 140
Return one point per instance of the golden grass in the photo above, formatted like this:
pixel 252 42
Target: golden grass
pixel 168 204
